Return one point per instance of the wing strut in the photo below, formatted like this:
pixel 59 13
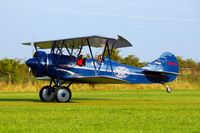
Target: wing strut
pixel 70 53
pixel 36 49
pixel 109 56
pixel 92 56
pixel 104 51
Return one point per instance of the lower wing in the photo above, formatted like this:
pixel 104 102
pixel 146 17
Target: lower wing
pixel 96 80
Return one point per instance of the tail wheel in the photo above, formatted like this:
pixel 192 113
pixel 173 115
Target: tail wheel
pixel 47 94
pixel 168 89
pixel 63 94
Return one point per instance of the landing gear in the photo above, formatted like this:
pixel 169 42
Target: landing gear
pixel 168 89
pixel 58 92
pixel 47 94
pixel 63 94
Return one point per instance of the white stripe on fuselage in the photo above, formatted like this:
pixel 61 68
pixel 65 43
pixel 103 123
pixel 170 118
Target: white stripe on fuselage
pixel 101 70
pixel 70 72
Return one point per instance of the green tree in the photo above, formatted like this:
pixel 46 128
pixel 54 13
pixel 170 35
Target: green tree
pixel 129 60
pixel 132 60
pixel 12 71
pixel 189 69
pixel 115 55
pixel 7 68
pixel 189 63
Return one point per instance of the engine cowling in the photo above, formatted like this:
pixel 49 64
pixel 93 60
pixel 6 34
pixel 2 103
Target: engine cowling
pixel 38 64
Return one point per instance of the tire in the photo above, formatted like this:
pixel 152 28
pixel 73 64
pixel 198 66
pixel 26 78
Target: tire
pixel 63 94
pixel 168 89
pixel 47 94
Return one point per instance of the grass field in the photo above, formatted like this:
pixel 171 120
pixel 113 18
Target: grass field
pixel 109 111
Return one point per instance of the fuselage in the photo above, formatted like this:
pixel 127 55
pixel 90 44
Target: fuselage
pixel 64 67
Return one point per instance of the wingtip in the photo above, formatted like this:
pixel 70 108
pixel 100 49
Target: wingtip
pixel 124 40
pixel 27 43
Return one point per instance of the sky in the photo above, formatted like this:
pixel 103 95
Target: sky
pixel 152 26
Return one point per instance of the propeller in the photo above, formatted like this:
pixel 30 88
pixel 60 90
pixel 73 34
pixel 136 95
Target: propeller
pixel 38 63
pixel 29 68
pixel 28 75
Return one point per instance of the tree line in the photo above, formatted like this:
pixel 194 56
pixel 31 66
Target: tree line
pixel 15 71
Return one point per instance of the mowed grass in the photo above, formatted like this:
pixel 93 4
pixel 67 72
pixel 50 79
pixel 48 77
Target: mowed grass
pixel 109 111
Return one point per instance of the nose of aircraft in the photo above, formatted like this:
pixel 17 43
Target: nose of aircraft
pixel 32 63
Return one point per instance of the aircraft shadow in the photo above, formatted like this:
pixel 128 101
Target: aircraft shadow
pixel 73 100
pixel 93 99
pixel 19 100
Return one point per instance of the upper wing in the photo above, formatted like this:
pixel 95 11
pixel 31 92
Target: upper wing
pixel 95 41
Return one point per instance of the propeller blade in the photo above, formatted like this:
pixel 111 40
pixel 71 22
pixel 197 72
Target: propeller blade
pixel 29 71
pixel 28 75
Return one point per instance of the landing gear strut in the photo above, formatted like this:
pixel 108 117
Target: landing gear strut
pixel 58 92
pixel 168 89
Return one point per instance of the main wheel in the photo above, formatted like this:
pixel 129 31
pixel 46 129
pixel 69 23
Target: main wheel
pixel 63 94
pixel 47 94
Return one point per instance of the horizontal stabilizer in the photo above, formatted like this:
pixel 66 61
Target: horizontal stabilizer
pixel 159 72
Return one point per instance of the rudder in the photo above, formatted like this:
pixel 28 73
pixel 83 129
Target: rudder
pixel 166 63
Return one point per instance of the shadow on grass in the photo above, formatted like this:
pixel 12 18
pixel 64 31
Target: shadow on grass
pixel 73 100
pixel 19 100
pixel 92 99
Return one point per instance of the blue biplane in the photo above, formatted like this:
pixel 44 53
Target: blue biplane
pixel 65 64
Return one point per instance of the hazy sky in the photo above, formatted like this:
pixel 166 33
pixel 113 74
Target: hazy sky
pixel 152 26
